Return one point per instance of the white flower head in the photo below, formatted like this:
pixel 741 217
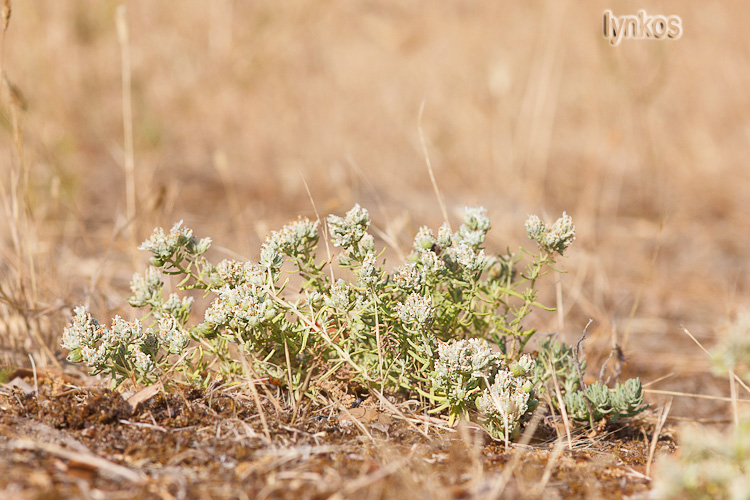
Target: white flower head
pixel 408 277
pixel 171 334
pixel 242 307
pixel 535 228
pixel 270 253
pixel 347 231
pixel 145 287
pixel 465 258
pixel 425 239
pixel 475 227
pixel 432 265
pixel 367 275
pixel 164 246
pixel 526 363
pixel 557 238
pixel 445 237
pixel 296 237
pixel 142 361
pixel 561 234
pixel 504 403
pixel 178 307
pixel 338 300
pixel 83 330
pixel 416 311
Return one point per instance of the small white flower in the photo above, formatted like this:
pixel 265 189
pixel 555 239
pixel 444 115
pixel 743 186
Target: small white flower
pixel 504 403
pixel 526 363
pixel 82 331
pixel 164 245
pixel 464 258
pixel 425 239
pixel 126 332
pixel 416 311
pixel 445 237
pixel 347 231
pixel 556 238
pixel 233 272
pixel 270 254
pixel 178 306
pixel 338 300
pixel 171 334
pixel 297 237
pixel 145 288
pixel 535 228
pixel 368 273
pixel 432 265
pixel 474 229
pixel 94 356
pixel 242 307
pixel 408 277
pixel 142 361
pixel 561 234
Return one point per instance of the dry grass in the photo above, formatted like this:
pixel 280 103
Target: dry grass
pixel 238 107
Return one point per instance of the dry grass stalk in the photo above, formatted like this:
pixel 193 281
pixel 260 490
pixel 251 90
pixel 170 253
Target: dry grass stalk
pixel 88 459
pixel 422 140
pixel 663 414
pixel 127 118
pixel 6 11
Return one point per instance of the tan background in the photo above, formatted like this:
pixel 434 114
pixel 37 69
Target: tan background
pixel 527 109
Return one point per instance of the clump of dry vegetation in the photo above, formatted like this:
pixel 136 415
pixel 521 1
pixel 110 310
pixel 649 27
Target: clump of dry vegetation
pixel 237 117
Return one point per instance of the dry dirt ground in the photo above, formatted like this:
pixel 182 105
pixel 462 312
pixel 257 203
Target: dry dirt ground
pixel 91 443
pixel 247 114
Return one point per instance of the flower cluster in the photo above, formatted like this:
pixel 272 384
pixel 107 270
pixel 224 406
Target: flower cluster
pixel 369 274
pixel 171 335
pixel 297 238
pixel 473 377
pixel 243 309
pixel 409 277
pixel 464 260
pixel 339 299
pixel 350 233
pixel 416 312
pixel 554 239
pixel 461 368
pixel 475 227
pixel 508 400
pixel 126 349
pixel 166 246
pixel 146 288
pixel 233 273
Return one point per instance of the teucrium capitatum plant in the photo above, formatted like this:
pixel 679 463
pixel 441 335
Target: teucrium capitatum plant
pixel 428 327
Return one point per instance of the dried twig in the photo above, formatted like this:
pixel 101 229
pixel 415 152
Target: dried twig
pixel 127 111
pixel 551 462
pixel 577 363
pixel 398 412
pixel 696 396
pixel 561 405
pixel 439 195
pixel 93 461
pixel 657 431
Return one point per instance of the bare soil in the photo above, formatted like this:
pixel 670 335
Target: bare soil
pixel 69 442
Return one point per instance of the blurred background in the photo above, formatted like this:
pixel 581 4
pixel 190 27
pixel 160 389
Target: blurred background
pixel 247 114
